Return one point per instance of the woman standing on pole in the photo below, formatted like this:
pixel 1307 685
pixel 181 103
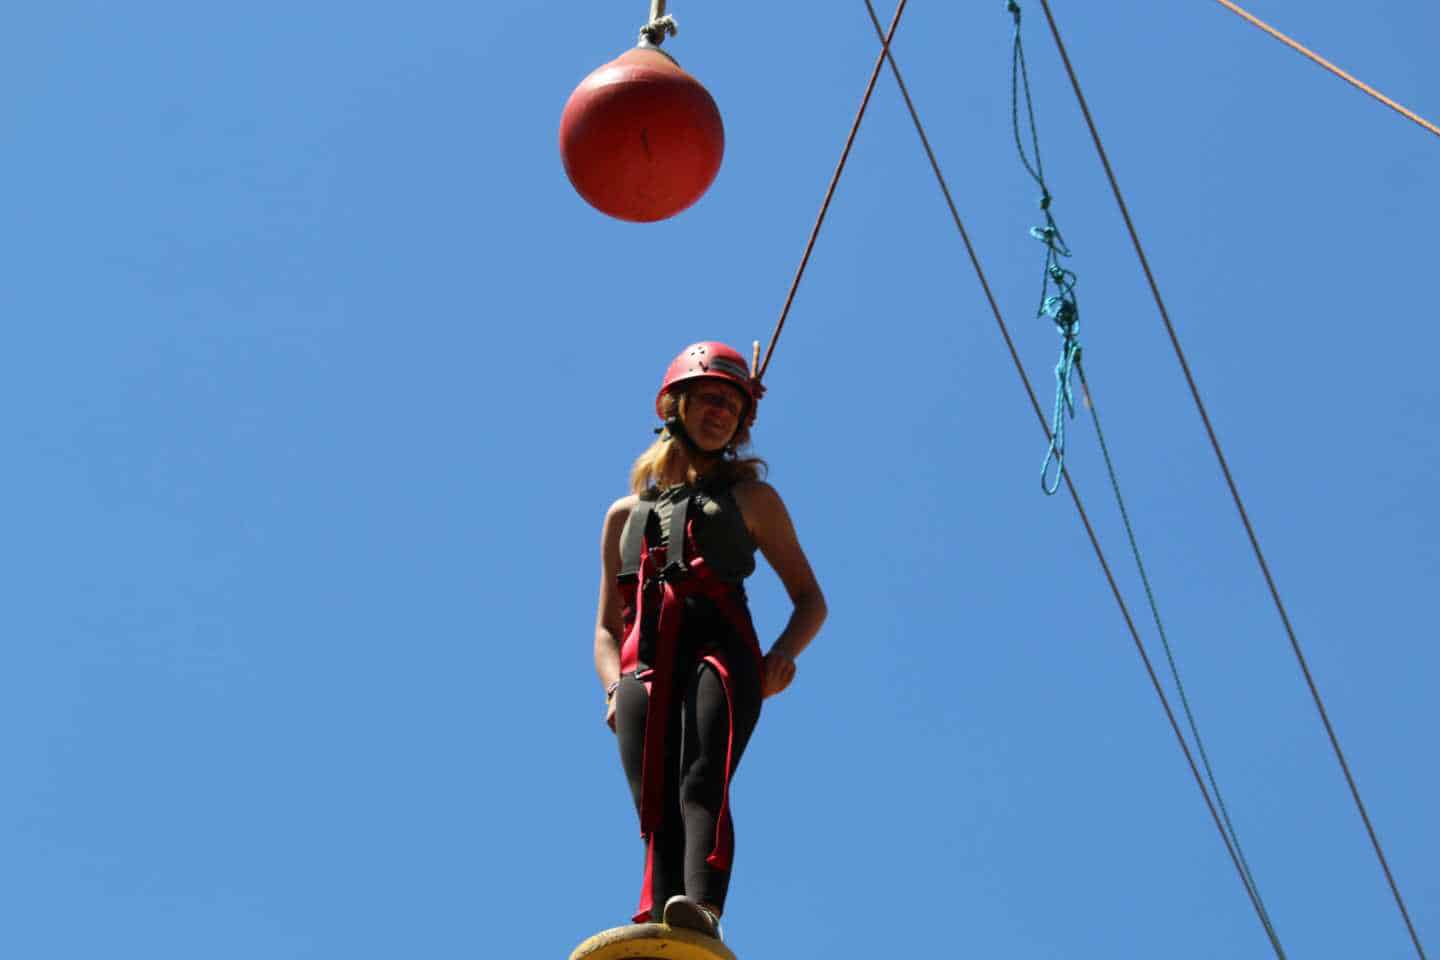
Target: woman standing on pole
pixel 675 648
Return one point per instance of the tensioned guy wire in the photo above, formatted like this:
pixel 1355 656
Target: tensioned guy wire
pixel 1074 493
pixel 1358 84
pixel 1230 481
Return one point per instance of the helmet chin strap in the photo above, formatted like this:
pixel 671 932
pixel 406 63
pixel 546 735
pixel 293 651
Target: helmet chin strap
pixel 676 431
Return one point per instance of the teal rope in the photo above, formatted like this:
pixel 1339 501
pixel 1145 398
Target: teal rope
pixel 1061 305
pixel 1246 875
pixel 1066 314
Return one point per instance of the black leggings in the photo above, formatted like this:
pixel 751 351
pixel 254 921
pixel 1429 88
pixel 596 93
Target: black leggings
pixel 694 764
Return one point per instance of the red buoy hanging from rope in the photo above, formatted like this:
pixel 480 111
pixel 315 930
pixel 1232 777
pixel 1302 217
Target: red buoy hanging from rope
pixel 642 139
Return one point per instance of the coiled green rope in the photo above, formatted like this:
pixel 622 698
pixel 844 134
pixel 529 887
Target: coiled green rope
pixel 1060 305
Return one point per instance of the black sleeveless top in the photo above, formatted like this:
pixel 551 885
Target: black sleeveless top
pixel 720 533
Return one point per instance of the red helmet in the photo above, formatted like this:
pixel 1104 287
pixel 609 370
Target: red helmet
pixel 708 359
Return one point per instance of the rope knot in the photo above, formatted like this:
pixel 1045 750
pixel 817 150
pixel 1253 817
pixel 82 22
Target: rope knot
pixel 1062 310
pixel 1014 9
pixel 655 32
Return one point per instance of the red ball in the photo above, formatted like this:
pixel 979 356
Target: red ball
pixel 641 139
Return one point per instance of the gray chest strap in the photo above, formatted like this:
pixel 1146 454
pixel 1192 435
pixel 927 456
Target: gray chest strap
pixel 633 543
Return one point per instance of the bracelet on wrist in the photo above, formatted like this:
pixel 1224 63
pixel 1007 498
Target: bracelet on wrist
pixel 610 689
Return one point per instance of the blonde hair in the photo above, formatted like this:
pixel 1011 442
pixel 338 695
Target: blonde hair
pixel 666 461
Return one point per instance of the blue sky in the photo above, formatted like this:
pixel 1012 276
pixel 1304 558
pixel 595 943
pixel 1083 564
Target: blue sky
pixel 319 378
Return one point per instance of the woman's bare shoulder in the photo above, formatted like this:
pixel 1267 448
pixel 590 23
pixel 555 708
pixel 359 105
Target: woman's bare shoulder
pixel 755 492
pixel 615 518
pixel 624 505
pixel 621 508
pixel 760 504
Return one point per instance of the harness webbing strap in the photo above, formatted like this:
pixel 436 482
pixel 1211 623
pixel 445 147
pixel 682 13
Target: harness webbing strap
pixel 630 546
pixel 724 849
pixel 675 533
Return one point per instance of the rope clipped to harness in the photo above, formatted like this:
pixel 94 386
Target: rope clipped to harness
pixel 1057 283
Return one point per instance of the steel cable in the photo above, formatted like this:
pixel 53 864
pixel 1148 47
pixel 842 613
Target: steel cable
pixel 1075 496
pixel 1230 480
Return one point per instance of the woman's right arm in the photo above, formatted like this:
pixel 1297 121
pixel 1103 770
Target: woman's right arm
pixel 609 616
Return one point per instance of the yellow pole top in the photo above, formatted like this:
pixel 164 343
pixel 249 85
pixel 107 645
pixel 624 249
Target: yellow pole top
pixel 651 941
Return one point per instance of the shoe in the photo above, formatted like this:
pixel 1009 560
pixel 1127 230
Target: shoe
pixel 681 911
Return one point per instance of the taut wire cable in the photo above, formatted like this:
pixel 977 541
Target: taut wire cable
pixel 1070 485
pixel 1230 480
pixel 1300 48
pixel 834 181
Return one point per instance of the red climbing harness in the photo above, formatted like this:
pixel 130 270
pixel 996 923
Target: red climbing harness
pixel 651 652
